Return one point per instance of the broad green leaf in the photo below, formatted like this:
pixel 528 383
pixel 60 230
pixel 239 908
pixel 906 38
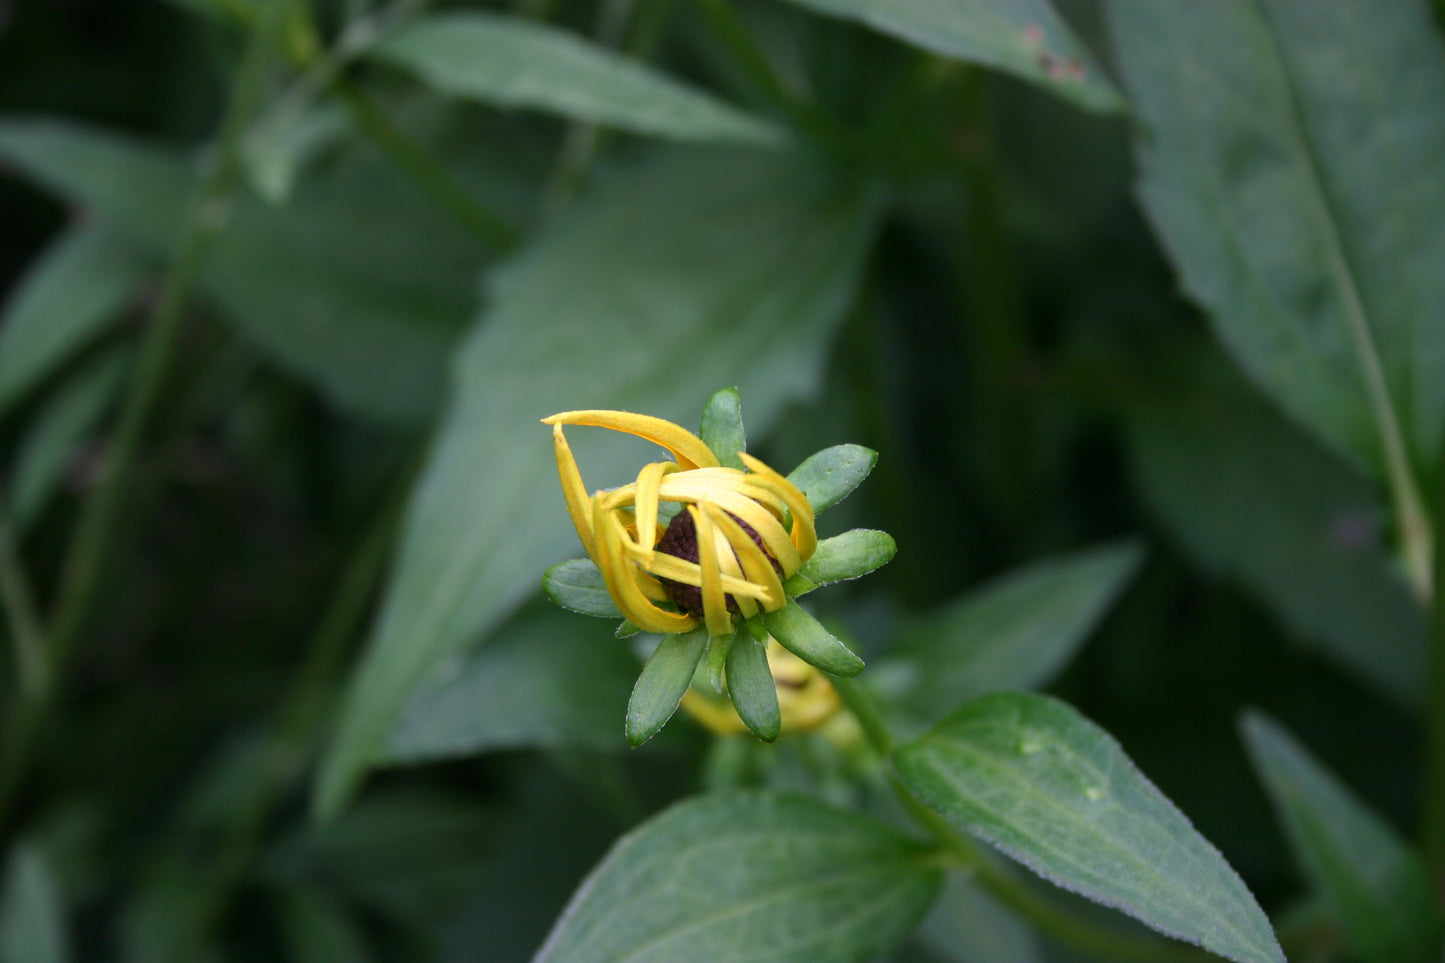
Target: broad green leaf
pixel 32 927
pixel 663 682
pixel 1015 632
pixel 806 638
pixel 548 679
pixel 404 852
pixel 750 876
pixel 698 269
pixel 513 62
pixel 1252 497
pixel 1376 883
pixel 1026 38
pixel 722 427
pixel 751 687
pixel 1289 156
pixel 829 476
pixel 579 587
pixel 59 430
pixel 81 283
pixel 840 558
pixel 370 315
pixel 1031 776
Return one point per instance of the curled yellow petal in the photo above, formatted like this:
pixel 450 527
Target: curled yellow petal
pixel 714 602
pixel 757 567
pixel 645 502
pixel 616 570
pixel 578 504
pixel 681 570
pixel 804 535
pixel 686 447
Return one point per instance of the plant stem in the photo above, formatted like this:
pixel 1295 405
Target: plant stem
pixel 1433 809
pixel 22 615
pixel 426 170
pixel 297 726
pixel 1058 921
pixel 739 40
pixel 90 542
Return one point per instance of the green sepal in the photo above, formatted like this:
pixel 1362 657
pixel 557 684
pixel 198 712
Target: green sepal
pixel 578 586
pixel 722 427
pixel 663 682
pixel 626 629
pixel 757 628
pixel 751 687
pixel 717 657
pixel 806 638
pixel 827 477
pixel 850 555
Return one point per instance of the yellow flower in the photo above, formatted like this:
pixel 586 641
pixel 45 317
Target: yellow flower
pixel 738 536
pixel 805 697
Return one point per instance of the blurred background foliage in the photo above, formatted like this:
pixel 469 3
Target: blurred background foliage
pixel 316 275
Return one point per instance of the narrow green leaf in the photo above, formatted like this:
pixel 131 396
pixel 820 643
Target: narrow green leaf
pixel 32 928
pixel 1052 790
pixel 370 316
pixel 829 476
pixel 842 557
pixel 59 430
pixel 747 876
pixel 548 679
pixel 806 638
pixel 722 427
pixel 286 138
pixel 317 928
pixel 747 277
pixel 1015 632
pixel 512 62
pixel 579 587
pixel 80 284
pixel 1026 38
pixel 751 687
pixel 1296 184
pixel 1376 883
pixel 662 683
pixel 1253 497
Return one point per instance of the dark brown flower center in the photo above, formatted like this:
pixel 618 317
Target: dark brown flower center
pixel 680 541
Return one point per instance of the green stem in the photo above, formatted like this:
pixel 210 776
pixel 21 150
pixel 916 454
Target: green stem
pixel 1054 919
pixel 739 41
pixel 1433 809
pixel 90 542
pixel 419 164
pixel 22 615
pixel 866 710
pixel 298 724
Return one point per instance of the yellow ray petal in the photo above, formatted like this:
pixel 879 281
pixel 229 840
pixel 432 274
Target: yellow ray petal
pixel 645 499
pixel 578 504
pixel 727 558
pixel 805 536
pixel 718 483
pixel 676 569
pixel 686 447
pixel 757 567
pixel 616 572
pixel 743 505
pixel 714 602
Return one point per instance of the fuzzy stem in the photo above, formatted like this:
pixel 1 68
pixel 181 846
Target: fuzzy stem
pixel 90 542
pixel 21 615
